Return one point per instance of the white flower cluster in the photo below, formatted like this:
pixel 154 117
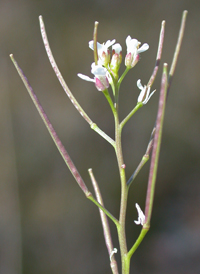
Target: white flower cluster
pixel 105 70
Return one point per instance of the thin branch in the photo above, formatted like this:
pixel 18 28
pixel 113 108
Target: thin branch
pixel 58 74
pixel 159 53
pixel 58 143
pixel 51 130
pixel 95 42
pixel 138 242
pixel 156 148
pixel 133 111
pixel 145 158
pixel 64 85
pixel 154 162
pixel 171 73
pixel 91 198
pixel 105 224
pixel 153 76
pixel 177 50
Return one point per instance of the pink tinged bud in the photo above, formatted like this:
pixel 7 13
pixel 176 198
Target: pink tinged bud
pixel 104 58
pixel 128 60
pixel 116 57
pixel 135 60
pixel 101 83
pixel 102 78
pixel 133 51
pixel 117 48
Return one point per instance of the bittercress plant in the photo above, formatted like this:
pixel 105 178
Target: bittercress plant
pixel 105 71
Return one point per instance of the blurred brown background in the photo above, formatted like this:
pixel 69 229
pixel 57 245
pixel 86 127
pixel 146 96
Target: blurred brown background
pixel 47 226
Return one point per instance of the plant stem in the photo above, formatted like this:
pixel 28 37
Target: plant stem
pixel 91 198
pixel 122 77
pixel 145 158
pixel 156 148
pixel 51 130
pixel 105 225
pixel 138 106
pixel 159 53
pixel 124 195
pixel 95 42
pixel 177 50
pixel 137 243
pixel 63 83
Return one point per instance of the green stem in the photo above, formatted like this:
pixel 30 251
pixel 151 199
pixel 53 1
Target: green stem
pixel 124 196
pixel 145 158
pixel 102 134
pixel 138 106
pixel 137 243
pixel 107 95
pixel 91 198
pixel 122 77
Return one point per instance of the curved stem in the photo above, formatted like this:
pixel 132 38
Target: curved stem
pixel 137 243
pixel 59 75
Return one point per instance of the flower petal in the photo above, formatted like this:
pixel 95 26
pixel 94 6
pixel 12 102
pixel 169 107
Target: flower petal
pixel 91 45
pixel 98 70
pixel 109 43
pixel 149 96
pixel 85 77
pixel 141 216
pixel 143 48
pixel 139 85
pixel 117 48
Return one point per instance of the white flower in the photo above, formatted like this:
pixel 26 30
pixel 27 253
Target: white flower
pixel 101 47
pixel 144 95
pixel 103 52
pixel 133 51
pixel 141 216
pixel 101 77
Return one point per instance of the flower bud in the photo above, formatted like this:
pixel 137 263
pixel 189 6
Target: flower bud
pixel 133 51
pixel 116 58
